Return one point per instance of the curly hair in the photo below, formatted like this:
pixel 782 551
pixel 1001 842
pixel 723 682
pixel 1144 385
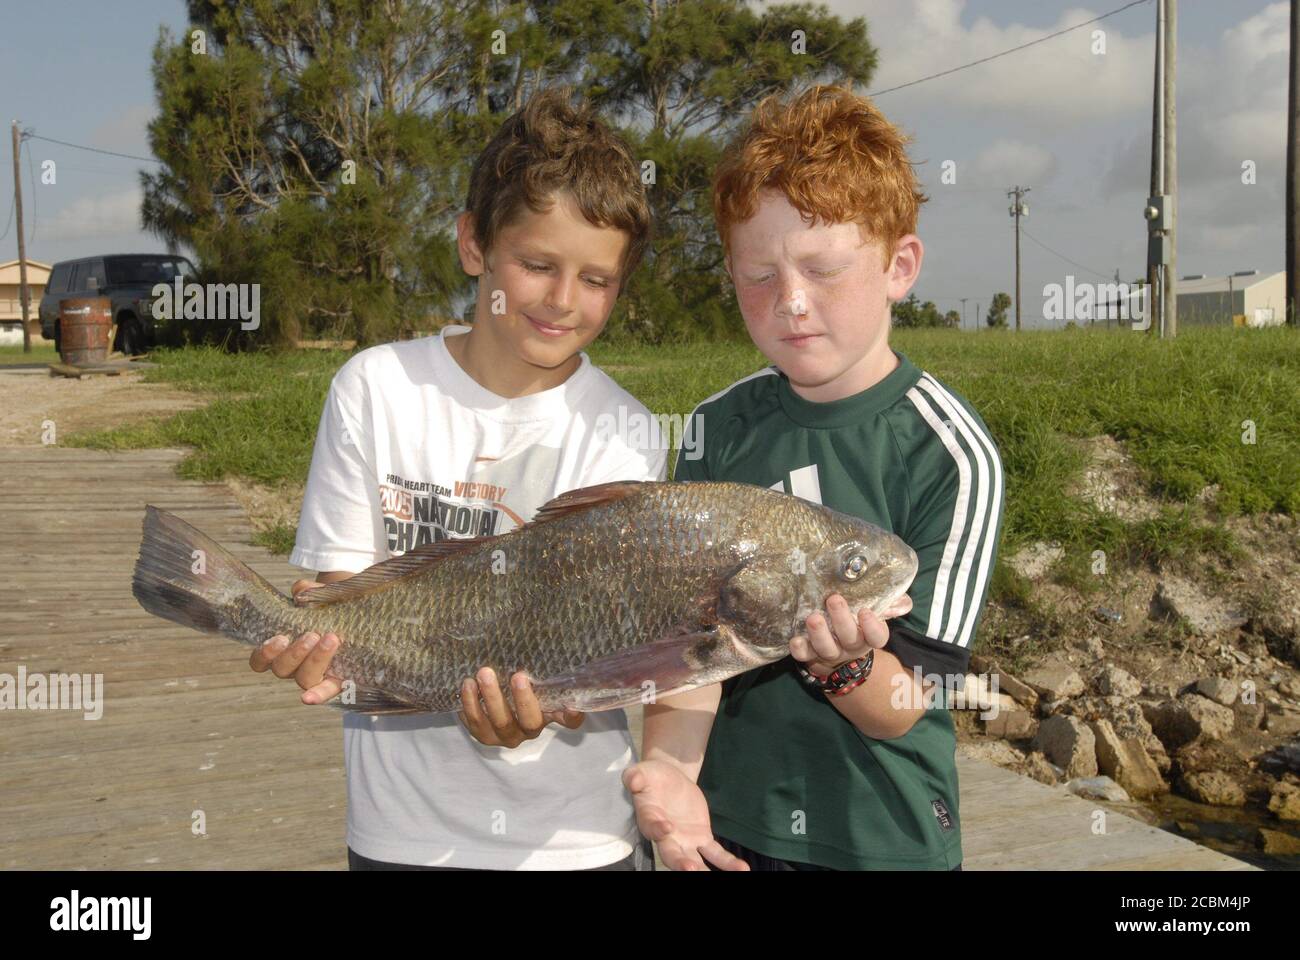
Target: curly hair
pixel 833 154
pixel 551 145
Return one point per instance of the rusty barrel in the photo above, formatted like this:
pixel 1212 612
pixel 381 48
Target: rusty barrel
pixel 85 324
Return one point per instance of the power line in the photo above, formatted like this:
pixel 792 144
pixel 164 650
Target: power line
pixel 78 146
pixel 1063 256
pixel 975 63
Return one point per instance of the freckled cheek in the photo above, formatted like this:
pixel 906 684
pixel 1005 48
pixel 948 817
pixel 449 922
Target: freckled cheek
pixel 846 304
pixel 755 307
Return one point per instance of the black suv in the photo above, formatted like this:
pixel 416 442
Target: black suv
pixel 127 279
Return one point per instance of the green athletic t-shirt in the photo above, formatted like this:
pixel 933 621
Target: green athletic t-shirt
pixel 785 773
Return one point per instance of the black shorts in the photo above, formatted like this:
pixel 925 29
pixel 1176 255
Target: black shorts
pixel 758 861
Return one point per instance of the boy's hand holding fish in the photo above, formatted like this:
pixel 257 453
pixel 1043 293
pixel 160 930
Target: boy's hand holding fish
pixel 305 659
pixel 835 637
pixel 487 715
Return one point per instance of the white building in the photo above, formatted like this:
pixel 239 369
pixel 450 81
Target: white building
pixel 1205 300
pixel 11 305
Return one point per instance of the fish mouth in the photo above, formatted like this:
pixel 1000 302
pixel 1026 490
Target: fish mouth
pixel 900 606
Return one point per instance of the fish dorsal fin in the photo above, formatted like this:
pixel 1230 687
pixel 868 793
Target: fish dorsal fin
pixel 386 571
pixel 584 498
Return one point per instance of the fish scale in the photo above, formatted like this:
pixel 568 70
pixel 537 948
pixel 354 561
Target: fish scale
pixel 609 588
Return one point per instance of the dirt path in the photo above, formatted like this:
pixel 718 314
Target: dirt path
pixel 29 398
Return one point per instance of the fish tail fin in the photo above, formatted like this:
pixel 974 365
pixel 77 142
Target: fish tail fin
pixel 185 576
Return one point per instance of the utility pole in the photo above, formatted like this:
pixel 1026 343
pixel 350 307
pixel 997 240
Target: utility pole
pixel 1170 300
pixel 1155 208
pixel 964 299
pixel 1292 265
pixel 1018 209
pixel 22 248
pixel 977 316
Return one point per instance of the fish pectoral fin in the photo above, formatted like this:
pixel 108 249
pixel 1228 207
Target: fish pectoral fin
pixel 627 676
pixel 374 701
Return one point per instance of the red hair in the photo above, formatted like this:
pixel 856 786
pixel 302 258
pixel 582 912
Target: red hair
pixel 833 154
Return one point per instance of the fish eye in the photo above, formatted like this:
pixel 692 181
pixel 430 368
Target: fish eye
pixel 855 566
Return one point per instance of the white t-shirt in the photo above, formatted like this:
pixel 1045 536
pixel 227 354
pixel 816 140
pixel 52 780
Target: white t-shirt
pixel 410 445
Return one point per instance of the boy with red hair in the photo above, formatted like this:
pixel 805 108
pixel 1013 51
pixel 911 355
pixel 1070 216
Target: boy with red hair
pixel 831 760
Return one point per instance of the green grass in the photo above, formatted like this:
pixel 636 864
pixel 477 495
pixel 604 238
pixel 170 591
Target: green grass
pixel 12 354
pixel 260 424
pixel 1178 406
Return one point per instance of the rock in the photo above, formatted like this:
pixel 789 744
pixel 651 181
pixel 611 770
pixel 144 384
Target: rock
pixel 977 693
pixel 1204 756
pixel 1281 720
pixel 1280 629
pixel 1177 722
pixel 997 752
pixel 1127 718
pixel 1250 716
pixel 1289 686
pixel 1213 787
pixel 1036 765
pixel 1205 615
pixel 1033 561
pixel 1069 743
pixel 1162 688
pixel 1011 725
pixel 1284 801
pixel 1127 762
pixel 1275 841
pixel 1218 689
pixel 1022 693
pixel 1055 679
pixel 1098 788
pixel 1113 681
pixel 1050 708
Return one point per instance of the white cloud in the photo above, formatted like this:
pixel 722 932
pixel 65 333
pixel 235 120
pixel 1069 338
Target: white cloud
pixel 102 215
pixel 1005 162
pixel 126 132
pixel 1056 82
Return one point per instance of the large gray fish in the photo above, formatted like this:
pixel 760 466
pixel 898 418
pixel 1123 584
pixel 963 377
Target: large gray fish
pixel 613 594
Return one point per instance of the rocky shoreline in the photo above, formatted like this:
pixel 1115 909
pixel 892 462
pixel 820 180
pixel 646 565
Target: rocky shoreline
pixel 1182 701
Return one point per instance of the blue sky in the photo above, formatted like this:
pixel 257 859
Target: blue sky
pixel 1071 124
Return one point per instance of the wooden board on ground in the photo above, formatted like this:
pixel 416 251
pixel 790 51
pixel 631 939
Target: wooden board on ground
pixel 196 762
pixel 61 369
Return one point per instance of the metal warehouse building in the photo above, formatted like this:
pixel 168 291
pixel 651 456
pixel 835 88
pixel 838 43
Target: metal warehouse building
pixel 1261 298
